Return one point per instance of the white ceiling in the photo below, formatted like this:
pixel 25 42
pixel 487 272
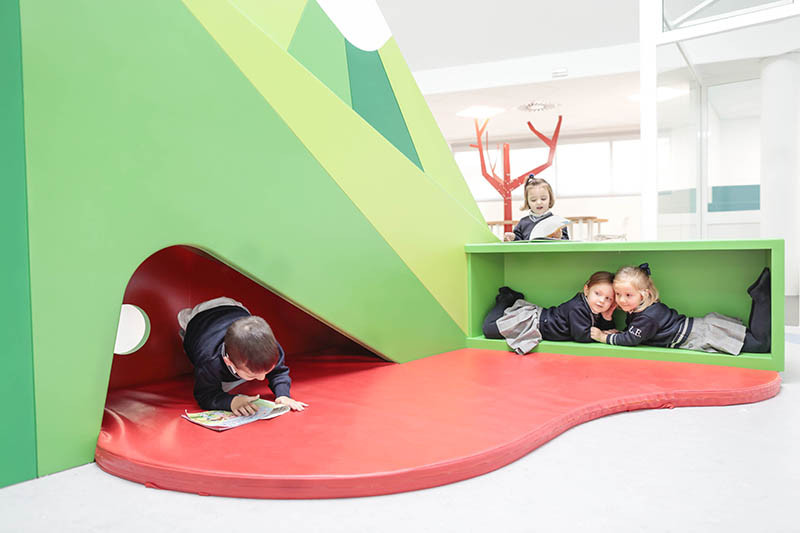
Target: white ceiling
pixel 502 54
pixel 444 33
pixel 586 105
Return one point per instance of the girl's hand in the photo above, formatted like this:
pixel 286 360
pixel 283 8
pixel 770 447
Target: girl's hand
pixel 597 335
pixel 609 314
pixel 509 236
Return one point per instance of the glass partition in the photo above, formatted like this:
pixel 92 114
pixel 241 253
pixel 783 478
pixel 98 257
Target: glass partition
pixel 679 110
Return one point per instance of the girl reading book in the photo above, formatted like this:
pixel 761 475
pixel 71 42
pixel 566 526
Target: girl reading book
pixel 538 200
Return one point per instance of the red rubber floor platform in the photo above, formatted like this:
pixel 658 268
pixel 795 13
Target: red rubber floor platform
pixel 376 428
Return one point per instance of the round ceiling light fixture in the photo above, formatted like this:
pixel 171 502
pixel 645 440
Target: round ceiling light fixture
pixel 537 105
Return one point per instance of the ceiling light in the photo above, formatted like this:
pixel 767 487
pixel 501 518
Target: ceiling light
pixel 663 94
pixel 480 111
pixel 537 105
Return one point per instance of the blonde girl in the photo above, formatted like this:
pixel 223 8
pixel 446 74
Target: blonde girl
pixel 538 200
pixel 651 322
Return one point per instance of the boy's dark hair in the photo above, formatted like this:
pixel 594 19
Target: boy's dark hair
pixel 250 343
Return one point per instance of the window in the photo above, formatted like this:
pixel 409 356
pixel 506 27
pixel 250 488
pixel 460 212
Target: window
pixel 600 168
pixel 584 169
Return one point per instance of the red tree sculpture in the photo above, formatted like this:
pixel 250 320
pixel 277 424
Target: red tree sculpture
pixel 506 185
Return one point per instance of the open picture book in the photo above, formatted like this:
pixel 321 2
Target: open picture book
pixel 222 420
pixel 547 227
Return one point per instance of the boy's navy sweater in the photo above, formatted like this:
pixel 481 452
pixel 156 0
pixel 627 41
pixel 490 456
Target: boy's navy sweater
pixel 571 321
pixel 525 226
pixel 657 325
pixel 205 346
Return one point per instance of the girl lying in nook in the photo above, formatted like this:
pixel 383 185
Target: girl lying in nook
pixel 653 323
pixel 524 324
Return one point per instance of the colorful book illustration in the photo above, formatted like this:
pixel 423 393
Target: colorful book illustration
pixel 221 420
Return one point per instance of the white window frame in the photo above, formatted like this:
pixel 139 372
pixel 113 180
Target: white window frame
pixel 652 35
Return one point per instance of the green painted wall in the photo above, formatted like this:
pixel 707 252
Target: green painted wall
pixel 433 151
pixel 414 214
pixel 142 134
pixel 319 46
pixel 375 101
pixel 278 18
pixel 17 444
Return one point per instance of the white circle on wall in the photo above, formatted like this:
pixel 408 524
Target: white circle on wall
pixel 132 331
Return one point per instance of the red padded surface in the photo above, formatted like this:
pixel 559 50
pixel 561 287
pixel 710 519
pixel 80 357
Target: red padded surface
pixel 375 427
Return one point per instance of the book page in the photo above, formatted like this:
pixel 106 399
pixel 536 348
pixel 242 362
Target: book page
pixel 547 226
pixel 220 420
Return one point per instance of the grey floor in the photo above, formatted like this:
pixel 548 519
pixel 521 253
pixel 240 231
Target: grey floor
pixel 708 469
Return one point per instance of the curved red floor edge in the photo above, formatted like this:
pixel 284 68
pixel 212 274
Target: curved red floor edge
pixel 377 428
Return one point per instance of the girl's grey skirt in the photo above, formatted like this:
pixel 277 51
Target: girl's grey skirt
pixel 716 333
pixel 520 326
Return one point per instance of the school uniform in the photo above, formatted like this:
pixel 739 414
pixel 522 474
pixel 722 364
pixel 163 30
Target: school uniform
pixel 203 331
pixel 523 229
pixel 524 324
pixel 659 325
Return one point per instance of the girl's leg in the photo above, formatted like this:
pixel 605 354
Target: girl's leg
pixel 505 299
pixel 758 335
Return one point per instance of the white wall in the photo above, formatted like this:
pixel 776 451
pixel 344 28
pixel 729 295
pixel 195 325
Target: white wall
pixel 734 155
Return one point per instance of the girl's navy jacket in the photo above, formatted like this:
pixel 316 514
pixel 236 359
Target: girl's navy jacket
pixel 657 325
pixel 571 321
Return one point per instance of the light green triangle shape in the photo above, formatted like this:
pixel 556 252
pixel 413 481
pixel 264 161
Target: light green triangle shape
pixel 319 46
pixel 414 214
pixel 277 18
pixel 433 151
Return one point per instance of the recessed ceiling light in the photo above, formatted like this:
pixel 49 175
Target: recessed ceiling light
pixel 480 111
pixel 663 94
pixel 537 105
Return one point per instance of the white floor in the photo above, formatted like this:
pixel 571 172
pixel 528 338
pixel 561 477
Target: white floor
pixel 715 469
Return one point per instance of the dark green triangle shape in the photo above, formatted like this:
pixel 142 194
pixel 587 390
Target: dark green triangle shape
pixel 374 100
pixel 17 444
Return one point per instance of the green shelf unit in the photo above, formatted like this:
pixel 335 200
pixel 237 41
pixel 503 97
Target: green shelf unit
pixel 694 277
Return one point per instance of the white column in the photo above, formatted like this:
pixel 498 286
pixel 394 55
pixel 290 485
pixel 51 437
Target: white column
pixel 649 30
pixel 780 159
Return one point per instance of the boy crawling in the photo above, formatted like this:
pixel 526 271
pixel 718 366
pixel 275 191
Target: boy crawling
pixel 228 346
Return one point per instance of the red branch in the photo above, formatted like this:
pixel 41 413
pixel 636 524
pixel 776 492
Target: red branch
pixel 506 185
pixel 493 179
